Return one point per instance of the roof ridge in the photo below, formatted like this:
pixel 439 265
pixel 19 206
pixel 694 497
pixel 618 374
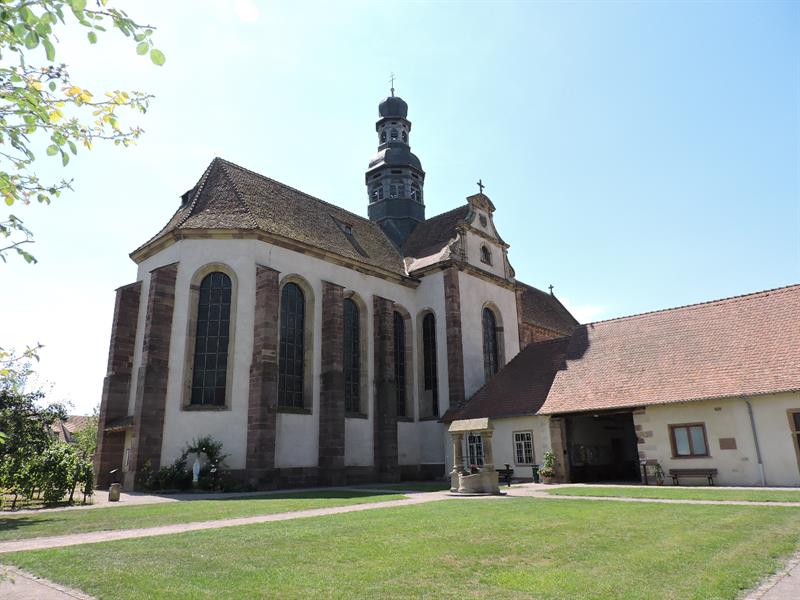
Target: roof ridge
pixel 238 193
pixel 452 210
pixel 735 298
pixel 198 188
pixel 294 189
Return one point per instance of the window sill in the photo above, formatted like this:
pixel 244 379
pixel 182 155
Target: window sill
pixel 431 418
pixel 294 410
pixel 205 407
pixel 352 415
pixel 405 419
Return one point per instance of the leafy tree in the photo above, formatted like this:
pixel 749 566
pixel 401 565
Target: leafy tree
pixel 28 436
pixel 85 438
pixel 41 102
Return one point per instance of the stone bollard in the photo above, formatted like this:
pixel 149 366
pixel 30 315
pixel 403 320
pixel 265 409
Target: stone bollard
pixel 113 492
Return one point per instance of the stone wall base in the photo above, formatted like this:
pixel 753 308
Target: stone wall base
pixel 301 477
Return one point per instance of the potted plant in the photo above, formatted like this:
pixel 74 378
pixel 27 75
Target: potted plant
pixel 658 472
pixel 548 469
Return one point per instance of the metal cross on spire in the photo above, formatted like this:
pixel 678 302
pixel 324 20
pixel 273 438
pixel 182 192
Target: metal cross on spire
pixel 391 81
pixel 551 288
pixel 480 185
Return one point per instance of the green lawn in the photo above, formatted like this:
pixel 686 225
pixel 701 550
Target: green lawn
pixel 506 548
pixel 680 493
pixel 413 486
pixel 150 515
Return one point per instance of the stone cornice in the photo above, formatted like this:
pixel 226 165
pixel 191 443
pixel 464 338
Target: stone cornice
pixel 167 240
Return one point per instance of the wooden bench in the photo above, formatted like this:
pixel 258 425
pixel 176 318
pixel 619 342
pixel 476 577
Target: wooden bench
pixel 707 473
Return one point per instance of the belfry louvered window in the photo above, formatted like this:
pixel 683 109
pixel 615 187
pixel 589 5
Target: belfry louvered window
pixel 400 363
pixel 352 358
pixel 291 351
pixel 210 368
pixel 490 353
pixel 430 376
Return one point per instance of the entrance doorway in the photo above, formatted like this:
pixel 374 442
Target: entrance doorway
pixel 602 447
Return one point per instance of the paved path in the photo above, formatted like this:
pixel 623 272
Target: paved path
pixel 16 584
pixel 784 585
pixel 94 537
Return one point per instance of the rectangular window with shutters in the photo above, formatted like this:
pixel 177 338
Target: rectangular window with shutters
pixel 523 447
pixel 688 440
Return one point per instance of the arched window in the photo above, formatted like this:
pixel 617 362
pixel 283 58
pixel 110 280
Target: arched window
pixel 394 135
pixel 210 368
pixel 404 135
pixel 383 137
pixel 430 376
pixel 400 362
pixel 352 357
pixel 486 255
pixel 291 352
pixel 491 359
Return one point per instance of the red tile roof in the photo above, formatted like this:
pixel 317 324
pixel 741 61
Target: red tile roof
pixel 742 346
pixel 520 388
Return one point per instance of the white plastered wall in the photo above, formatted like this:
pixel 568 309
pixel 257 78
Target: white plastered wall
pixel 475 293
pixel 297 435
pixel 727 418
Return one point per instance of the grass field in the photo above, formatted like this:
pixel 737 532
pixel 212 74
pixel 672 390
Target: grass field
pixel 151 515
pixel 522 547
pixel 680 493
pixel 413 486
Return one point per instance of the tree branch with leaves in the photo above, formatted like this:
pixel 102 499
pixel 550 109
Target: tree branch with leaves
pixel 41 102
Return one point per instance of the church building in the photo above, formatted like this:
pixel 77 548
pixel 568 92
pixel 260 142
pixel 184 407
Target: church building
pixel 319 346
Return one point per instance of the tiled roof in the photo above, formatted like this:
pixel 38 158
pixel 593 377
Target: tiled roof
pixel 433 234
pixel 545 310
pixel 520 388
pixel 231 197
pixel 741 346
pixel 65 429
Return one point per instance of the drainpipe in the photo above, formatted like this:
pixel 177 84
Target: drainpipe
pixel 755 441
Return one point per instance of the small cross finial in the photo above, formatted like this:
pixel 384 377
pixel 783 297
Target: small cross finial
pixel 391 81
pixel 551 288
pixel 480 185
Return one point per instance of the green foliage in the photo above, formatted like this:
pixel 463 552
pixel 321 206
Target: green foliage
pixel 40 101
pixel 85 438
pixel 178 476
pixel 33 461
pixel 548 468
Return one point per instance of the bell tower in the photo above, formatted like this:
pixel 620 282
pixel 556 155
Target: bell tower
pixel 395 178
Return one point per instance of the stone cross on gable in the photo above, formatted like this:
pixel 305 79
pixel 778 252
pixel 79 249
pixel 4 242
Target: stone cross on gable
pixel 480 185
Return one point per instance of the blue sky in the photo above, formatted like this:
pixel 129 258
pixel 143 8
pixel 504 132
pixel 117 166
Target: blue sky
pixel 640 155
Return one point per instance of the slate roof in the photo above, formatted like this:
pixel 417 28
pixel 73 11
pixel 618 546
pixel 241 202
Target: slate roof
pixel 741 346
pixel 231 197
pixel 433 234
pixel 520 388
pixel 541 308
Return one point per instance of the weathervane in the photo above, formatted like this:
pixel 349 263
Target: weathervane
pixel 480 185
pixel 391 81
